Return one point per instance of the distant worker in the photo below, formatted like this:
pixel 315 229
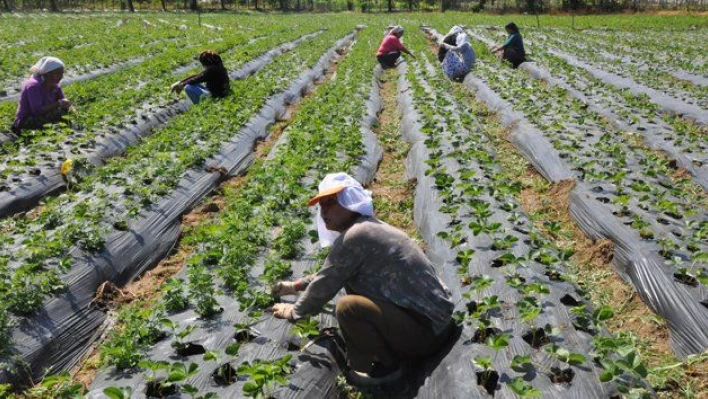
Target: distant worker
pixel 214 75
pixel 391 48
pixel 451 39
pixel 396 308
pixel 460 58
pixel 41 98
pixel 513 47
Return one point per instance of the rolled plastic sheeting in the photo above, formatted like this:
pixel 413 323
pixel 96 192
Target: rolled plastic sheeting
pixel 54 339
pixel 31 190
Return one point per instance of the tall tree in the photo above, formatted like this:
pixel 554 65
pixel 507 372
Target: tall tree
pixel 53 5
pixel 193 5
pixel 390 5
pixel 6 3
pixel 130 5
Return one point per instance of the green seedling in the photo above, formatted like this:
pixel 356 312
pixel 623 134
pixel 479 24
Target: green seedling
pixel 305 329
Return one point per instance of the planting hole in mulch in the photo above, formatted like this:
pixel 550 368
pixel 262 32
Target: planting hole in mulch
pixel 686 279
pixel 604 200
pixel 155 389
pixel 189 349
pixel 293 347
pixel 472 306
pixel 704 303
pixel 568 300
pixel 674 215
pixel 663 221
pixel 35 172
pixel 245 335
pixel 553 275
pixel 489 380
pixel 224 375
pixel 481 335
pixel 536 338
pixel 561 376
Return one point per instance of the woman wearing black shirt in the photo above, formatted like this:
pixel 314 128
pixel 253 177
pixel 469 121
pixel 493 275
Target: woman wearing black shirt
pixel 214 75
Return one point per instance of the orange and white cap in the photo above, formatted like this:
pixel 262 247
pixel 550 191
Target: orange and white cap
pixel 351 195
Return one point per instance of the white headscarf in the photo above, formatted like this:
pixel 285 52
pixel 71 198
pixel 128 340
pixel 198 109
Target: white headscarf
pixel 396 30
pixel 455 30
pixel 352 197
pixel 462 39
pixel 46 65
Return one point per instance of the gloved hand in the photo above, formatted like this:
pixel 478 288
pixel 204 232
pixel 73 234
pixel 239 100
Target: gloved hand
pixel 177 87
pixel 284 288
pixel 283 311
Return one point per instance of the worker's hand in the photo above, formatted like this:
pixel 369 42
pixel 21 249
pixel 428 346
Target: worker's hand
pixel 177 87
pixel 64 103
pixel 282 288
pixel 283 311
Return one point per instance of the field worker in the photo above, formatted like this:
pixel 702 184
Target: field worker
pixel 450 38
pixel 513 47
pixel 214 75
pixel 396 308
pixel 41 99
pixel 459 59
pixel 391 48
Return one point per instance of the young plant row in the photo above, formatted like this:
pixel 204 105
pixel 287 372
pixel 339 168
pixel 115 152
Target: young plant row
pixel 641 186
pixel 106 136
pixel 629 112
pixel 258 238
pixel 659 48
pixel 36 247
pixel 101 43
pixel 509 276
pixel 649 75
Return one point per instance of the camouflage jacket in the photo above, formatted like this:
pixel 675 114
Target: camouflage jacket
pixel 380 262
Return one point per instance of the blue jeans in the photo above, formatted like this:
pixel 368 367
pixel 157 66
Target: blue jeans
pixel 195 92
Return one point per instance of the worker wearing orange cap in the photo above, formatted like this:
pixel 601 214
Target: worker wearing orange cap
pixel 396 308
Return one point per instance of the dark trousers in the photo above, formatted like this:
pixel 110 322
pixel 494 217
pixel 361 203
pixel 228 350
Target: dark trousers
pixel 378 331
pixel 36 122
pixel 388 60
pixel 515 57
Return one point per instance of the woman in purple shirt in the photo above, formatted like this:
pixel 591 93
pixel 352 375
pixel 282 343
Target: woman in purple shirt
pixel 41 99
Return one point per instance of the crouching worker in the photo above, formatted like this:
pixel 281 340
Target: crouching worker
pixel 459 59
pixel 41 99
pixel 396 308
pixel 513 47
pixel 391 48
pixel 214 75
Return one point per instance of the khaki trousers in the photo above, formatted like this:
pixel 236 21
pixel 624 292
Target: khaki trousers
pixel 378 331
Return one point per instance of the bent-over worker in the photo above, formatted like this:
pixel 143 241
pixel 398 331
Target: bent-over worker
pixel 513 47
pixel 41 98
pixel 214 75
pixel 391 48
pixel 459 59
pixel 451 39
pixel 396 308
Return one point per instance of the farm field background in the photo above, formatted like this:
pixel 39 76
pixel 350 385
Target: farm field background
pixel 564 202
